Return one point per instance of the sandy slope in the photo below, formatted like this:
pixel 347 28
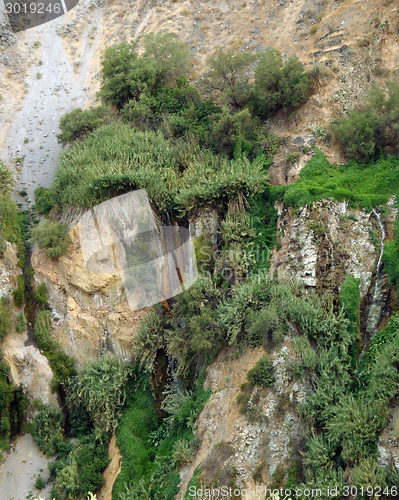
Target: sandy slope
pixel 22 466
pixel 55 86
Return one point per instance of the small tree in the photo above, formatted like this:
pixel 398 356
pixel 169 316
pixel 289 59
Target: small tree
pixel 170 57
pixel 53 236
pixel 123 75
pixel 375 125
pixel 228 75
pixel 357 133
pixel 278 84
pixel 43 200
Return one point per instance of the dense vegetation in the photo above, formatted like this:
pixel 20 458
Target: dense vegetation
pixel 207 146
pixel 362 185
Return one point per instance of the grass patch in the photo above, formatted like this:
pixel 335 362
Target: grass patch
pixel 153 450
pixel 362 185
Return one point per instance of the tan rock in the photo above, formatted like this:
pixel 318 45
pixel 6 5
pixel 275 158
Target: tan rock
pixel 91 312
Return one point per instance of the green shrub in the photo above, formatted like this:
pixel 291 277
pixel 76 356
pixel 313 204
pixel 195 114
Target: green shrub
pixel 228 75
pixel 278 84
pixel 125 76
pixel 18 294
pixel 6 179
pixel 262 373
pixel 40 483
pixel 365 130
pixel 42 331
pixel 78 123
pixel 53 236
pixel 100 387
pixel 199 337
pixel 10 220
pixel 43 200
pixel 21 323
pixel 47 429
pixel 5 318
pixel 80 471
pixel 41 295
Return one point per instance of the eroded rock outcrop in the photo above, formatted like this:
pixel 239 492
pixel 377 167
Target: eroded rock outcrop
pixel 320 244
pixel 29 368
pixel 251 447
pixel 8 270
pixel 90 310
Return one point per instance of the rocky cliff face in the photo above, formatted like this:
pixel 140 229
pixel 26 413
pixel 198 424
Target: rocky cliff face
pixel 8 270
pixel 321 244
pixel 90 310
pixel 28 366
pixel 255 446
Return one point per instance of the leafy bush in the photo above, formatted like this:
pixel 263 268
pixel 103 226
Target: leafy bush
pixel 278 84
pixel 6 179
pixel 41 296
pixel 47 429
pixel 365 130
pixel 262 373
pixel 21 323
pixel 40 483
pixel 79 470
pixel 199 337
pixel 5 318
pixel 43 200
pixel 10 219
pixel 228 76
pixel 237 134
pixel 53 236
pixel 18 293
pixel 100 387
pixel 125 76
pixel 78 123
